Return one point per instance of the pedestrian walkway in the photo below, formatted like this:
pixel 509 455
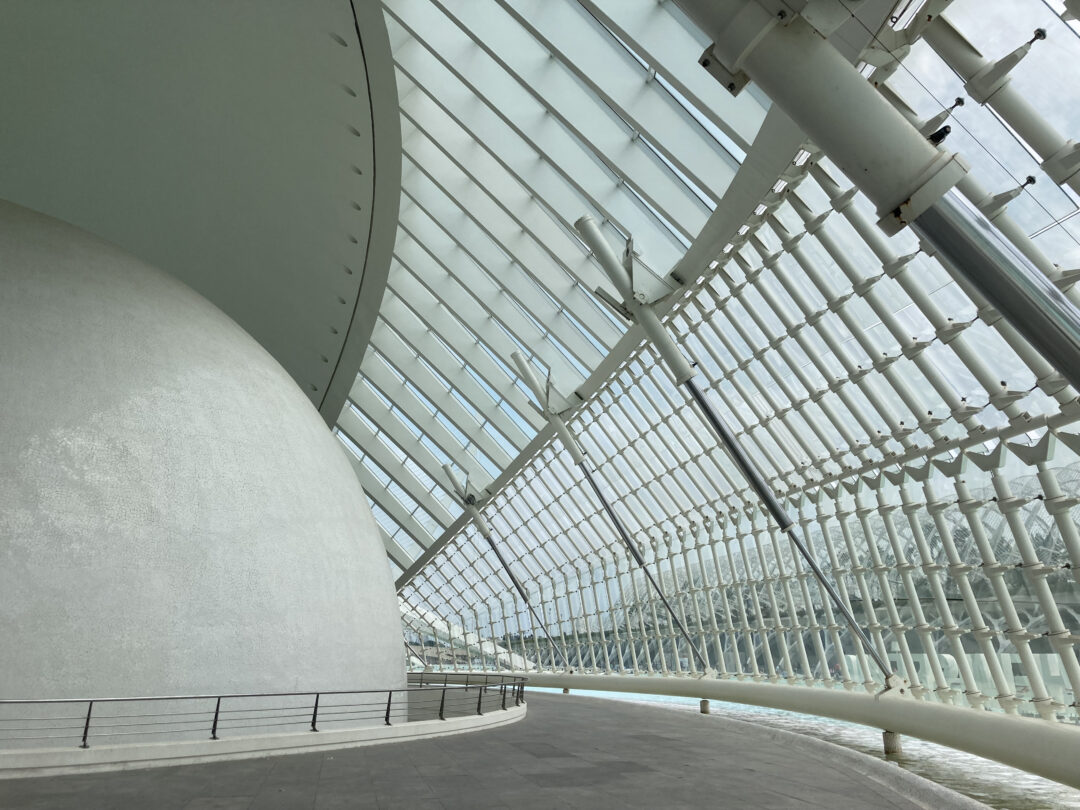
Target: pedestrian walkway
pixel 569 752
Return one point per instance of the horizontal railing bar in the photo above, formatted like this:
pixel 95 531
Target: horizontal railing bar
pixel 306 722
pixel 97 725
pixel 372 710
pixel 427 697
pixel 75 735
pixel 411 689
pixel 225 711
pixel 208 713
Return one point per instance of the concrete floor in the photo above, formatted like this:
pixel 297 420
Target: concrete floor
pixel 570 752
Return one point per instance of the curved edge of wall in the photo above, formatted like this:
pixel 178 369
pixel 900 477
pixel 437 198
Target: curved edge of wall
pixel 383 217
pixel 60 762
pixel 1041 747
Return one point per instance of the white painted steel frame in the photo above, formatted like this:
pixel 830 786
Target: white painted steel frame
pixel 929 455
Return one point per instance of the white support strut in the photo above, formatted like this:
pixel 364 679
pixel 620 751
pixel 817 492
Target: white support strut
pixel 683 373
pixel 542 394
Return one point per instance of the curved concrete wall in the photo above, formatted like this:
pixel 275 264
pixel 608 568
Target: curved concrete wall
pixel 251 149
pixel 175 518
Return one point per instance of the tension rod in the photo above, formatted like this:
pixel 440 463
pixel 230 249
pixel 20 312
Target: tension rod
pixel 621 275
pixel 577 454
pixel 469 500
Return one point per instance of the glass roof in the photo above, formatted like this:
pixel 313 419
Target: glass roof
pixel 515 122
pixel 919 441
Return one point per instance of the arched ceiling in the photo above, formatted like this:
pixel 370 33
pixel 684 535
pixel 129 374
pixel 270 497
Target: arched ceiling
pixel 517 118
pixel 252 150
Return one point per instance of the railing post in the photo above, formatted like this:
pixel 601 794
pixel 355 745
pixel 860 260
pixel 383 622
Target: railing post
pixel 86 727
pixel 503 689
pixel 479 700
pixel 442 705
pixel 217 711
pixel 315 713
pixel 389 699
pixel 421 678
pixel 517 694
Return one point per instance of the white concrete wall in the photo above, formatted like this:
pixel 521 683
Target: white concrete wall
pixel 251 149
pixel 175 518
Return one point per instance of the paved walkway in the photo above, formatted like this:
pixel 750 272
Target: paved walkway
pixel 570 752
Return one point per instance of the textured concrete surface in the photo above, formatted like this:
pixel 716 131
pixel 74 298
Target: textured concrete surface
pixel 175 517
pixel 570 752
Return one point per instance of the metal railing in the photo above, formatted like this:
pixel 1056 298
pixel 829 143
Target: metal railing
pixel 428 696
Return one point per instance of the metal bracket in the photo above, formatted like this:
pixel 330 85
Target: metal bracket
pixel 733 82
pixel 614 304
pixel 1064 163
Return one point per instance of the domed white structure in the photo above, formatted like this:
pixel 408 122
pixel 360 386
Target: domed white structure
pixel 175 518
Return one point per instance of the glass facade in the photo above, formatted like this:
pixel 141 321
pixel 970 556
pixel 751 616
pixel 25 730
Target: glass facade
pixel 928 454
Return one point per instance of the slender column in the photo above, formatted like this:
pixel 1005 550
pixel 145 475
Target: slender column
pixel 812 624
pixel 779 628
pixel 932 572
pixel 793 613
pixel 591 646
pixel 806 521
pixel 661 541
pixel 558 616
pixel 841 586
pixel 479 639
pixel 1059 505
pixel 596 610
pixel 639 606
pixel 492 636
pixel 859 571
pixel 731 535
pixel 535 635
pixel 1035 572
pixel 995 572
pixel 905 567
pixel 752 584
pixel 621 276
pixel 881 570
pixel 706 587
pixel 722 588
pixel 687 540
pixel 959 570
pixel 620 652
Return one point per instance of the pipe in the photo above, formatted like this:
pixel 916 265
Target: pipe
pixel 1048 749
pixel 826 97
pixel 974 249
pixel 890 161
